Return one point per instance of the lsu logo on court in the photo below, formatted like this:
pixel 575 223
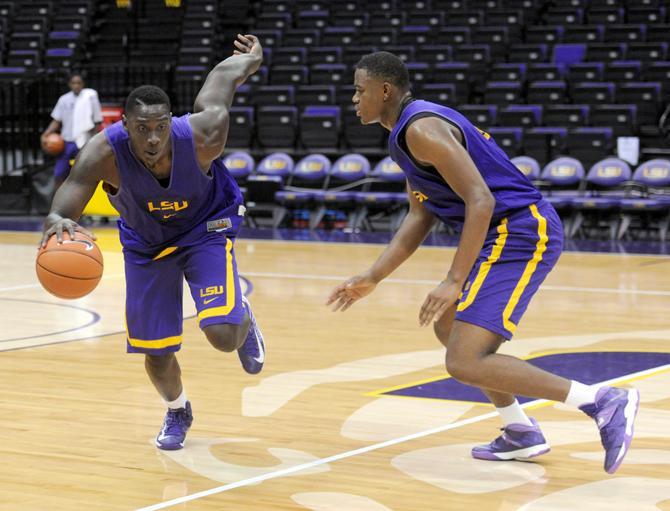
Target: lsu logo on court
pixel 420 196
pixel 211 291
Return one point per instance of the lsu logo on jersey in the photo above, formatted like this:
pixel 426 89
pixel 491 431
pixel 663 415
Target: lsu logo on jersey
pixel 420 196
pixel 167 208
pixel 484 134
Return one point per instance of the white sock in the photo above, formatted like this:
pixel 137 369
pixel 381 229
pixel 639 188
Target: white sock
pixel 581 394
pixel 180 402
pixel 514 414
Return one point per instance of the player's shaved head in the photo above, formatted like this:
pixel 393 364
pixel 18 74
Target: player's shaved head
pixel 387 67
pixel 146 95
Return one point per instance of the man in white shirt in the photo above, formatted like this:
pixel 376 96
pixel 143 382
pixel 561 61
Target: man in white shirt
pixel 77 116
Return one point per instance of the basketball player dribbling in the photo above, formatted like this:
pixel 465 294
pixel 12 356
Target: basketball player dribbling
pixel 510 239
pixel 180 212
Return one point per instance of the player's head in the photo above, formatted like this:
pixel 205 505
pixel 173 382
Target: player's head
pixel 381 80
pixel 76 83
pixel 147 119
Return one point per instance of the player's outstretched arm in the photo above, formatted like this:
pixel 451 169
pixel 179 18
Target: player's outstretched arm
pixel 413 230
pixel 94 163
pixel 211 109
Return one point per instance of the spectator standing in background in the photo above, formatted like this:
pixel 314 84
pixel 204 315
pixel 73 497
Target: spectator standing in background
pixel 76 116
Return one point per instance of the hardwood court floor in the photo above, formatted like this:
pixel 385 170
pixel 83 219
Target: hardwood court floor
pixel 79 417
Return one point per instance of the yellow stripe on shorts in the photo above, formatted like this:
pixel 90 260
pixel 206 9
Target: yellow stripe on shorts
pixel 155 344
pixel 486 266
pixel 224 310
pixel 531 266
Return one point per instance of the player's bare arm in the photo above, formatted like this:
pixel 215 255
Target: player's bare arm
pixel 434 142
pixel 413 230
pixel 211 110
pixel 94 163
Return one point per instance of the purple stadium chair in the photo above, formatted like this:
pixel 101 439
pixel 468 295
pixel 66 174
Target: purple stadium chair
pixel 650 205
pixel 385 199
pixel 262 187
pixel 568 54
pixel 529 167
pixel 347 177
pixel 309 177
pixel 599 204
pixel 240 165
pixel 561 179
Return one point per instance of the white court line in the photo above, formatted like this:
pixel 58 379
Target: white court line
pixel 301 276
pixel 421 282
pixel 370 448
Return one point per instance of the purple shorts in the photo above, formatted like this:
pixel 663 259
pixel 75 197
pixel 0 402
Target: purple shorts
pixel 62 165
pixel 517 256
pixel 154 292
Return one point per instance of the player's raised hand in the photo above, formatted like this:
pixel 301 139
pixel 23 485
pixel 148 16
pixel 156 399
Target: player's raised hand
pixel 344 295
pixel 248 43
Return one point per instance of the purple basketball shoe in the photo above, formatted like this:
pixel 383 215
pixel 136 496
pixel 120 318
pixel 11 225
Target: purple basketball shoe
pixel 176 424
pixel 518 442
pixel 614 411
pixel 252 352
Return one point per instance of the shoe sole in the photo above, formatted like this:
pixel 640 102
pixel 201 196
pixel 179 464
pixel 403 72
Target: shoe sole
pixel 629 412
pixel 169 448
pixel 518 455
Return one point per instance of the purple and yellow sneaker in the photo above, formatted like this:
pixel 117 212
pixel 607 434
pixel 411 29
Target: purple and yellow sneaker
pixel 518 442
pixel 176 424
pixel 614 411
pixel 252 352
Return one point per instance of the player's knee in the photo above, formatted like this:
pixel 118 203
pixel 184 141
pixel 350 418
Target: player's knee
pixel 457 369
pixel 461 367
pixel 226 337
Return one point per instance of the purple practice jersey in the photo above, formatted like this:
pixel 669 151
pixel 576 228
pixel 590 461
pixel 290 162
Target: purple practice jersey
pixel 510 188
pixel 191 205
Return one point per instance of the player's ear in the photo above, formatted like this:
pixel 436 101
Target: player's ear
pixel 124 120
pixel 386 91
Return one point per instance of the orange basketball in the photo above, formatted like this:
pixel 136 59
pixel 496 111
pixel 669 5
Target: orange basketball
pixel 71 269
pixel 54 144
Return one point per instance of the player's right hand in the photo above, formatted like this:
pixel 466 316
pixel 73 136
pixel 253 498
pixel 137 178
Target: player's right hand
pixel 248 44
pixel 64 224
pixel 350 291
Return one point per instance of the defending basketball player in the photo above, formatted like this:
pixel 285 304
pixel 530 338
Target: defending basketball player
pixel 180 212
pixel 510 239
